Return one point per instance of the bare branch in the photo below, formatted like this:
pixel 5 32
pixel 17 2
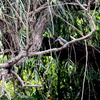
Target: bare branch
pixel 58 49
pixel 31 54
pixel 27 24
pixel 44 6
pixel 7 51
pixel 69 24
pixel 81 6
pixel 10 16
pixel 22 82
pixel 6 22
pixel 16 13
pixel 23 53
pixel 13 60
pixel 86 66
pixel 8 94
pixel 2 86
pixel 93 27
pixel 3 73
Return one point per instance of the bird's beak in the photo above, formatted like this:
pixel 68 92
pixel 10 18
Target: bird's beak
pixel 56 40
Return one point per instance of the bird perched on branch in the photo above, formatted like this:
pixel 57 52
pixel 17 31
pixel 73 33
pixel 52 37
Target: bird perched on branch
pixel 61 40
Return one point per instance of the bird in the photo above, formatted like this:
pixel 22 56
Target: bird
pixel 61 40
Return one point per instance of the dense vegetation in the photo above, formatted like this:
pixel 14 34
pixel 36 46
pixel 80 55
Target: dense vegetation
pixel 28 29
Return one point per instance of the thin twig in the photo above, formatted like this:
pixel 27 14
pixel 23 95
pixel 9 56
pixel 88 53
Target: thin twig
pixel 51 17
pixel 6 22
pixel 85 70
pixel 42 7
pixel 8 94
pixel 16 13
pixel 22 82
pixel 27 23
pixel 81 5
pixel 93 27
pixel 10 16
pixel 2 86
pixel 69 24
pixel 31 54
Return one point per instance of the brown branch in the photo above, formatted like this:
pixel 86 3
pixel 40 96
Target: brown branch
pixel 27 24
pixel 13 60
pixel 6 22
pixel 8 94
pixel 93 30
pixel 86 66
pixel 3 73
pixel 44 6
pixel 69 24
pixel 16 13
pixel 2 86
pixel 7 51
pixel 22 82
pixel 31 54
pixel 81 5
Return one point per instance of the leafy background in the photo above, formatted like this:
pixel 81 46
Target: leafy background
pixel 61 80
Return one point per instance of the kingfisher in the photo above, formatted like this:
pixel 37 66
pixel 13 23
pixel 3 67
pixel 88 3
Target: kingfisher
pixel 61 40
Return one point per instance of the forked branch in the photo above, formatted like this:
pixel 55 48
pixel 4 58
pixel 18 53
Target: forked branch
pixel 22 82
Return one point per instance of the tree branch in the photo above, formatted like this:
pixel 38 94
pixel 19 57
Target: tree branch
pixel 22 82
pixel 3 74
pixel 13 60
pixel 92 31
pixel 23 53
pixel 6 22
pixel 7 51
pixel 81 5
pixel 2 86
pixel 16 13
pixel 44 6
pixel 32 54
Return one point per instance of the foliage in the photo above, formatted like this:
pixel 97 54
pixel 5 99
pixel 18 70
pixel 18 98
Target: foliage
pixel 61 80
